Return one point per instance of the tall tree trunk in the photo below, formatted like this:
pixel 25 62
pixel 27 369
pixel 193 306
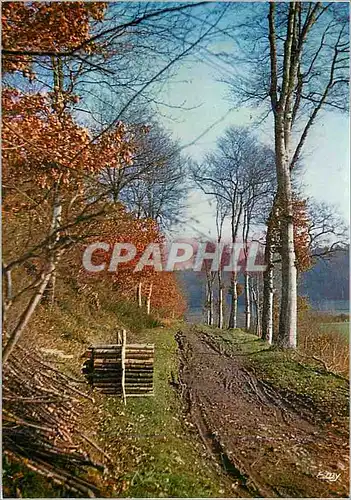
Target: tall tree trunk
pixel 148 299
pixel 139 296
pixel 257 304
pixel 282 109
pixel 58 105
pixel 220 300
pixel 49 294
pixel 247 303
pixel 28 312
pixel 287 336
pixel 209 298
pixel 267 308
pixel 268 286
pixel 234 302
pixel 288 309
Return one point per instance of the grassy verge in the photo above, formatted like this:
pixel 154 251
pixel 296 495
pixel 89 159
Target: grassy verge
pixel 289 370
pixel 341 328
pixel 158 455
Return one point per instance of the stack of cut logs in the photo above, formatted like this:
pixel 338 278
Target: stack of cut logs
pixel 121 369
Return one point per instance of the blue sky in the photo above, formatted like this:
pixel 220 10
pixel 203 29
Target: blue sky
pixel 326 153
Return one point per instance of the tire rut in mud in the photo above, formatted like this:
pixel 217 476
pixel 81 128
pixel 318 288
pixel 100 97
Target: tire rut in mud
pixel 267 440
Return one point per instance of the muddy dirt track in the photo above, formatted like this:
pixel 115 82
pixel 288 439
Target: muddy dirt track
pixel 271 443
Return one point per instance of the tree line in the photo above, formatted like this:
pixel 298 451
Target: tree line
pixel 294 65
pixel 83 145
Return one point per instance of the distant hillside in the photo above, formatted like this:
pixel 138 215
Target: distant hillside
pixel 327 280
pixel 326 283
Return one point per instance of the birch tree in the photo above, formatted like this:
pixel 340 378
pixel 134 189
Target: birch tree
pixel 221 215
pixel 239 173
pixel 300 69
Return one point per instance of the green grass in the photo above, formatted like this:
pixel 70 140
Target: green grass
pixel 342 328
pixel 159 456
pixel 131 316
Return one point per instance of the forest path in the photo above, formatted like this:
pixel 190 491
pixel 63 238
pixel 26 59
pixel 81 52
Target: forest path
pixel 273 442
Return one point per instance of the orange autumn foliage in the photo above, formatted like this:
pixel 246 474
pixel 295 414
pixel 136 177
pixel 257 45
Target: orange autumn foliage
pixel 46 27
pixel 301 237
pixel 124 227
pixel 167 298
pixel 40 146
pixel 45 149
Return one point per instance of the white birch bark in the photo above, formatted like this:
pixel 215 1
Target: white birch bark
pixel 268 286
pixel 148 299
pixel 234 302
pixel 247 303
pixel 220 301
pixel 282 131
pixel 139 296
pixel 55 225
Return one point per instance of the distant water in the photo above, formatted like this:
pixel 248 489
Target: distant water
pixel 198 315
pixel 332 306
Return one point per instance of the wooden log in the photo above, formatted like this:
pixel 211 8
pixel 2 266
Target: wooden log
pixel 101 369
pixel 108 366
pixel 107 360
pixel 147 385
pixel 140 395
pixel 140 383
pixel 138 391
pixel 118 348
pixel 137 362
pixel 136 378
pixel 115 350
pixel 116 372
pixel 105 346
pixel 137 366
pixel 139 357
pixel 110 373
pixel 144 387
pixel 104 373
pixel 109 385
pixel 107 355
pixel 141 353
pixel 141 346
pixel 139 371
pixel 107 376
pixel 111 392
pixel 107 352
